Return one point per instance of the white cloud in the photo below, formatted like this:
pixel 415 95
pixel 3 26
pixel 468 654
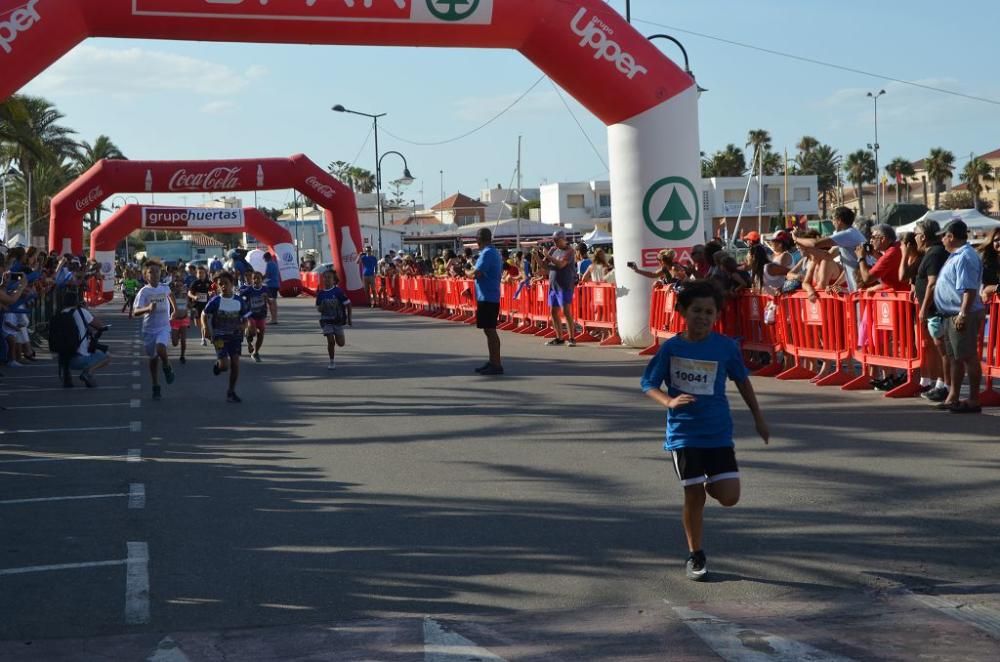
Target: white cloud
pixel 92 70
pixel 217 107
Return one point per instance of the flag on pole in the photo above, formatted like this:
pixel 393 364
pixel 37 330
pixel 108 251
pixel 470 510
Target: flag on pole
pixel 3 225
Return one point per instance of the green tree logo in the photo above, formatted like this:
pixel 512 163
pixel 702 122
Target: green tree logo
pixel 674 220
pixel 453 10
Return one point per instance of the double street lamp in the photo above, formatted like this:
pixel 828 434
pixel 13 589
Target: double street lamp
pixel 878 176
pixel 406 179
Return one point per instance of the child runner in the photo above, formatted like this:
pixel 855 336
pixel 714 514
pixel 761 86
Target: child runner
pixel 130 287
pixel 258 298
pixel 181 320
pixel 334 312
pixel 694 365
pixel 224 319
pixel 155 303
pixel 198 296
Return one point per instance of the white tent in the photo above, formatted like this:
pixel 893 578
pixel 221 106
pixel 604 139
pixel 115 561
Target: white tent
pixel 597 238
pixel 976 221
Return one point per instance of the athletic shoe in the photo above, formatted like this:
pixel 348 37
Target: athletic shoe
pixel 492 370
pixel 232 397
pixel 697 566
pixel 256 357
pixel 14 364
pixel 168 374
pixel 571 342
pixel 926 389
pixel 156 393
pixel 935 394
pixel 484 367
pixel 556 341
pixel 250 348
pixel 215 369
pixel 331 366
pixel 87 379
pixel 183 360
pixel 204 342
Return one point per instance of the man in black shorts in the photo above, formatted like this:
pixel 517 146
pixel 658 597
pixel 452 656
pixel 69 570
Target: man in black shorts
pixel 487 272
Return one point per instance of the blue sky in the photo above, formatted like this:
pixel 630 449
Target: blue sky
pixel 179 100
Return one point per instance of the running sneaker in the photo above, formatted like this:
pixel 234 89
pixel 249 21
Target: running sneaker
pixel 484 367
pixel 215 369
pixel 331 366
pixel 492 370
pixel 168 374
pixel 936 394
pixel 256 357
pixel 697 566
pixel 156 393
pixel 571 342
pixel 204 342
pixel 183 360
pixel 14 364
pixel 87 379
pixel 232 397
pixel 556 341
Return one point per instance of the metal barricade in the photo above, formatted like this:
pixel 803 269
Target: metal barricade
pixel 818 330
pixel 887 336
pixel 757 333
pixel 596 308
pixel 991 354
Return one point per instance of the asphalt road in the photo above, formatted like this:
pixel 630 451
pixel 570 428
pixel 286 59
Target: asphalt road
pixel 404 508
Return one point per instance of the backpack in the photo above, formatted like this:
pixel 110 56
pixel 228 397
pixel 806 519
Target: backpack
pixel 64 335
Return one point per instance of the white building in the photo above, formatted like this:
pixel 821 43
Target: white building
pixel 568 202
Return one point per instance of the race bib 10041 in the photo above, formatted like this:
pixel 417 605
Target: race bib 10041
pixel 693 377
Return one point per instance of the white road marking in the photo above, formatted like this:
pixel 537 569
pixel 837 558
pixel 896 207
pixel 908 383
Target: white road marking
pixel 135 404
pixel 102 404
pixel 49 430
pixel 136 387
pixel 134 455
pixel 58 566
pixel 443 646
pixel 24 391
pixel 168 651
pixel 978 616
pixel 103 374
pixel 9 502
pixel 136 496
pixel 135 363
pixel 135 426
pixel 137 583
pixel 65 458
pixel 135 373
pixel 728 641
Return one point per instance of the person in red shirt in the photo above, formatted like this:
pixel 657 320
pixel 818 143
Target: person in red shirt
pixel 884 275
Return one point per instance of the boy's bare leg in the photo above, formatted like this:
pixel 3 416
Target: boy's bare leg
pixel 726 492
pixel 693 517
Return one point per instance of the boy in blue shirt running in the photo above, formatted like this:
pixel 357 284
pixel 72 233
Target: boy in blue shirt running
pixel 694 366
pixel 334 312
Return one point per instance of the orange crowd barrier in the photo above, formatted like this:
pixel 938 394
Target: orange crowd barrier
pixel 94 294
pixel 310 282
pixel 596 311
pixel 991 354
pixel 665 322
pixel 817 330
pixel 887 336
pixel 758 333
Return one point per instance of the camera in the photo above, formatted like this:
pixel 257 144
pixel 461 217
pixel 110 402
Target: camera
pixel 869 248
pixel 95 337
pixel 631 265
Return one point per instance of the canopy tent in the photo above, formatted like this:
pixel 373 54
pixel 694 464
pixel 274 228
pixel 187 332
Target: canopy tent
pixel 597 238
pixel 976 221
pixel 509 229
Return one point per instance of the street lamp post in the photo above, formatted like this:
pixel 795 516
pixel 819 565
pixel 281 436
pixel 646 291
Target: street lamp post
pixel 878 208
pixel 406 179
pixel 378 184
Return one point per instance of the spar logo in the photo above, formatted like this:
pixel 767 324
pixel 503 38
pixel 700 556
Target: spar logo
pixel 667 209
pixel 288 257
pixel 597 35
pixel 21 20
pixel 452 10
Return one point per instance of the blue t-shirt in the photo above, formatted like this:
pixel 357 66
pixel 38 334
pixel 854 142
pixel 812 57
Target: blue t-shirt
pixel 332 305
pixel 215 265
pixel 369 264
pixel 583 266
pixel 490 268
pixel 699 369
pixel 272 275
pixel 227 315
pixel 256 299
pixel 961 272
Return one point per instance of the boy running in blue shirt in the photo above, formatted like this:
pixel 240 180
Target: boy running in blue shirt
pixel 224 321
pixel 334 312
pixel 257 297
pixel 694 366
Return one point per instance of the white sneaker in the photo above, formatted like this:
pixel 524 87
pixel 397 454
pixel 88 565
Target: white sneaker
pixel 331 366
pixel 15 364
pixel 204 342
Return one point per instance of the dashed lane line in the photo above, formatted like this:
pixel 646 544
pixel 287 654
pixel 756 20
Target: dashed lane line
pixel 77 406
pixel 73 458
pixel 136 496
pixel 134 426
pixel 59 566
pixel 130 373
pixel 137 583
pixel 26 391
pixel 134 455
pixel 81 497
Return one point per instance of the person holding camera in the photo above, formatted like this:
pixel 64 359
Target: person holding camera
pixel 13 316
pixel 560 259
pixel 90 354
pixel 846 239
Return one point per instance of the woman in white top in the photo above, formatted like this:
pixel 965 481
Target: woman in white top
pixel 599 269
pixel 766 276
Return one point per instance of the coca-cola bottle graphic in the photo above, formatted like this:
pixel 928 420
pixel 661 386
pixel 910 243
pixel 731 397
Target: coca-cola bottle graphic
pixel 149 181
pixel 260 176
pixel 349 260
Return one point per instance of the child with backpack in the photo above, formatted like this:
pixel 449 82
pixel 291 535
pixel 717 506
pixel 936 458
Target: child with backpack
pixel 334 312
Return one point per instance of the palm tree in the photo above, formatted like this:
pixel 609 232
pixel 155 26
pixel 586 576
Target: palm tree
pixel 729 162
pixel 824 162
pixel 88 156
pixel 363 181
pixel 772 164
pixel 940 165
pixel 806 145
pixel 759 139
pixel 974 174
pixel 860 166
pixel 899 169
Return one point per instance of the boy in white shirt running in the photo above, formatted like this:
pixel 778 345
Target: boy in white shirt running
pixel 155 304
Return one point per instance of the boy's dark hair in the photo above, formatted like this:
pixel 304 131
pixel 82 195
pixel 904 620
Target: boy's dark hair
pixel 699 289
pixel 333 273
pixel 845 215
pixel 224 275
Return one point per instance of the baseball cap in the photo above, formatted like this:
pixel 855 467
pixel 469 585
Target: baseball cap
pixel 559 234
pixel 752 236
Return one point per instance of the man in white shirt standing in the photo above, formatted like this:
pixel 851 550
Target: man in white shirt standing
pixel 156 304
pixel 847 238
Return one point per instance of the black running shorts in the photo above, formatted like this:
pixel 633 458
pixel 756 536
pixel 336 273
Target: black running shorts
pixel 487 314
pixel 695 466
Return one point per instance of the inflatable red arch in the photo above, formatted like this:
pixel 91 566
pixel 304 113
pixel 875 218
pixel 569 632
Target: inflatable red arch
pixel 108 177
pixel 648 103
pixel 105 238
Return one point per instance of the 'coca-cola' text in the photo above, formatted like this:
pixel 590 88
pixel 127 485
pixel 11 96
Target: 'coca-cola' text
pixel 216 179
